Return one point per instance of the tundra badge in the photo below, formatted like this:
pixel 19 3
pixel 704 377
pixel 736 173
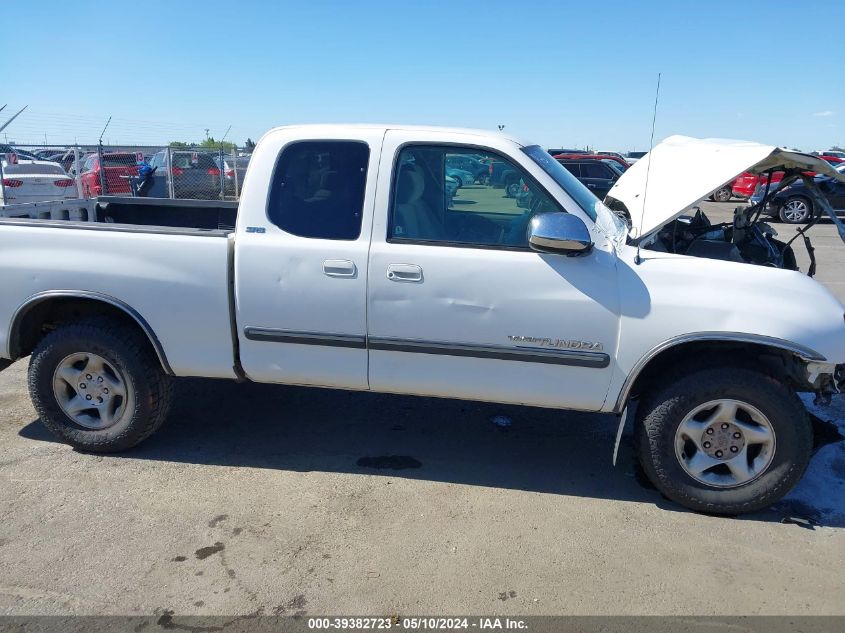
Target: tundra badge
pixel 557 342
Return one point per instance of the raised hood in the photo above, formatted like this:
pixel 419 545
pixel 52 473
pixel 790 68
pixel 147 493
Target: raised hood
pixel 682 171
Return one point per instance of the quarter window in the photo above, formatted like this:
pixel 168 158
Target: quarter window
pixel 318 189
pixel 463 196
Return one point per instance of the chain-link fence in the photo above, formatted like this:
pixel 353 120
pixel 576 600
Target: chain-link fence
pixel 173 171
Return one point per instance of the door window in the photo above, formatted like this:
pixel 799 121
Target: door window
pixel 573 168
pixel 594 170
pixel 318 189
pixel 435 201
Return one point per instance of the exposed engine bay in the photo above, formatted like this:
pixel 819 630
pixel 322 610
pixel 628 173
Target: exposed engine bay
pixel 748 239
pixel 743 240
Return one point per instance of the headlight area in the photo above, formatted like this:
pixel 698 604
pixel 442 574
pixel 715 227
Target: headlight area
pixel 825 379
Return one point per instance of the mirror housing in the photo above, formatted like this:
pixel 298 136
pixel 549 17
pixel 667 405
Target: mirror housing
pixel 558 232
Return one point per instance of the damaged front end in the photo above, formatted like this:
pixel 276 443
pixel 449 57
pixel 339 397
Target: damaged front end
pixel 748 238
pixel 660 194
pixel 825 379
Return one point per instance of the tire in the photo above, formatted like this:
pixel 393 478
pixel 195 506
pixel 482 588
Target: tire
pixel 512 189
pixel 795 210
pixel 126 363
pixel 722 195
pixel 664 447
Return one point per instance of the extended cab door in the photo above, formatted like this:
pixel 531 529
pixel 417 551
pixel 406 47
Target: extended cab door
pixel 301 258
pixel 459 306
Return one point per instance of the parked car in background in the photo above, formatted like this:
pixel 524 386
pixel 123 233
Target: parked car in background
pixel 20 153
pixel 615 166
pixel 229 175
pixel 564 150
pixel 44 154
pixel 616 154
pixel 621 161
pixel 502 174
pixel 793 204
pixel 833 153
pixel 466 163
pixel 462 176
pixel 596 175
pixel 744 186
pixel 195 175
pixel 34 181
pixel 633 157
pixel 115 171
pixel 65 159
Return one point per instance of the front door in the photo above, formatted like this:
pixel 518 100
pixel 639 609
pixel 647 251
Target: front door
pixel 459 306
pixel 301 274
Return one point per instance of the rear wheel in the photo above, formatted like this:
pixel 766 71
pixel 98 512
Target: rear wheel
pixel 98 386
pixel 724 441
pixel 795 210
pixel 512 189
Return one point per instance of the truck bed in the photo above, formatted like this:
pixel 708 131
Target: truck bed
pixel 204 215
pixel 169 260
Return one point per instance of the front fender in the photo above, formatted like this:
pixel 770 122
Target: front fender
pixel 669 299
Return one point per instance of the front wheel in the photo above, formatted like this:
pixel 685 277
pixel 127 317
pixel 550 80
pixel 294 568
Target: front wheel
pixel 98 386
pixel 724 441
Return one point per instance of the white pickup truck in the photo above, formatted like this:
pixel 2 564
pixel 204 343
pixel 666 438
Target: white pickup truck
pixel 352 263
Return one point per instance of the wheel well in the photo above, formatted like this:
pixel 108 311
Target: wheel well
pixel 781 364
pixel 40 317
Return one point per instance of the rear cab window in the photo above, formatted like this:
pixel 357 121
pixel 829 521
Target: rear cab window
pixel 318 187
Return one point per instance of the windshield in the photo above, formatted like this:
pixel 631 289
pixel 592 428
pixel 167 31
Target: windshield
pixel 605 219
pixel 614 166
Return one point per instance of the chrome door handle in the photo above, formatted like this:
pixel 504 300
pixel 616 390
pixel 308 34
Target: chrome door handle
pixel 339 268
pixel 404 272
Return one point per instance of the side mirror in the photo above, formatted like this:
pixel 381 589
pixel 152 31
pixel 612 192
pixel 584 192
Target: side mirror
pixel 559 233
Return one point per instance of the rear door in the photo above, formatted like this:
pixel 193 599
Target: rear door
pixel 301 269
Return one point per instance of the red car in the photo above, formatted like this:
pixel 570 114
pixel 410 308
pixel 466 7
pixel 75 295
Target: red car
pixel 117 168
pixel 615 159
pixel 744 186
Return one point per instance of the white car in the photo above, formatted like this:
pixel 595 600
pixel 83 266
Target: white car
pixel 348 269
pixel 35 181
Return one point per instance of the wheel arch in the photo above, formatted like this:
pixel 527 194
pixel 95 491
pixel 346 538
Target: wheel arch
pixel 47 309
pixel 783 358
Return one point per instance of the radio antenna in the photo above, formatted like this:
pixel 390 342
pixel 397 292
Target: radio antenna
pixel 638 259
pixel 104 131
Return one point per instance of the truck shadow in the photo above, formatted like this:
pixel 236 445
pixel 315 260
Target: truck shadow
pixel 308 429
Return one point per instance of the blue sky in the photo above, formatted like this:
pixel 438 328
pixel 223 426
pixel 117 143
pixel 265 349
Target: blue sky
pixel 557 73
